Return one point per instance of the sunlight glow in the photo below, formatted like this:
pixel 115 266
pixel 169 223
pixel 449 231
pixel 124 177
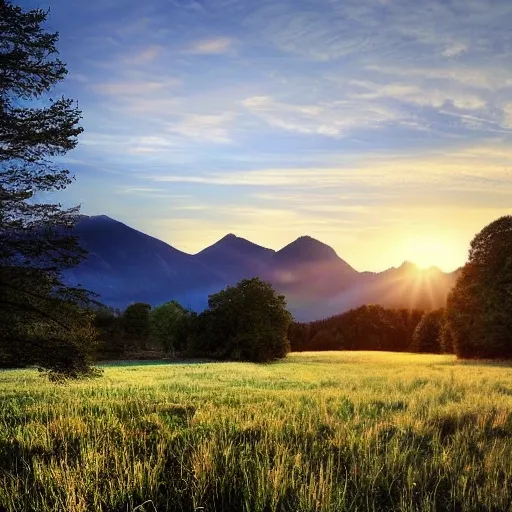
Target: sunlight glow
pixel 428 251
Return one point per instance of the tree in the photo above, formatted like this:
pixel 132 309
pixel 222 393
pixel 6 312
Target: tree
pixel 427 337
pixel 480 305
pixel 35 237
pixel 136 325
pixel 446 338
pixel 246 322
pixel 169 326
pixel 107 322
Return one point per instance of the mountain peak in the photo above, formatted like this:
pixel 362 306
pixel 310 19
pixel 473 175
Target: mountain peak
pixel 230 237
pixel 230 243
pixel 307 248
pixel 408 265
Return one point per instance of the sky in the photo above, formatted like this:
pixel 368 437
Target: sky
pixel 380 127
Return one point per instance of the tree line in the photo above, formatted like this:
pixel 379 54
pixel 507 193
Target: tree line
pixel 373 327
pixel 246 322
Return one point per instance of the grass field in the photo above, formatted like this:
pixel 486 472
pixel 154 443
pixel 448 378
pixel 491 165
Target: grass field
pixel 332 431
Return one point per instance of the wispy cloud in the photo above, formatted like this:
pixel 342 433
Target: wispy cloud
pixel 455 50
pixel 435 97
pixel 331 119
pixel 215 46
pixel 483 169
pixel 136 88
pixel 507 110
pixel 204 127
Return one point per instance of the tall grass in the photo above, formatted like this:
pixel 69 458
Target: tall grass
pixel 316 432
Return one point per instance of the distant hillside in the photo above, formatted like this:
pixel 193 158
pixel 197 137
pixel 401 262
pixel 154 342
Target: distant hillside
pixel 126 266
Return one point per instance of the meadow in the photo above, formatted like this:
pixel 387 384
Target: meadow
pixel 331 431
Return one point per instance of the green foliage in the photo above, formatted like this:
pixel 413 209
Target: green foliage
pixel 169 326
pixel 323 432
pixel 427 337
pixel 108 323
pixel 365 328
pixel 40 321
pixel 136 325
pixel 61 340
pixel 479 306
pixel 246 322
pixel 446 338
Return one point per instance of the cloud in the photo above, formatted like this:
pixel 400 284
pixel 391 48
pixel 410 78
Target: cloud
pixel 508 115
pixel 455 50
pixel 435 97
pixel 145 56
pixel 213 46
pixel 133 88
pixel 331 119
pixel 479 76
pixel 484 169
pixel 204 127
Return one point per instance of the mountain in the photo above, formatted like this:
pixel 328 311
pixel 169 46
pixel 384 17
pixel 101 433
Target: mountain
pixel 235 258
pixel 126 266
pixel 307 270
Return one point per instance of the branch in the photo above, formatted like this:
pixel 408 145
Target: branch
pixel 30 307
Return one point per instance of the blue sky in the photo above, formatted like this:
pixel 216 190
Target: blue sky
pixel 381 127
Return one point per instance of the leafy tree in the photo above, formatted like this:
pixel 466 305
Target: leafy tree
pixel 427 336
pixel 169 326
pixel 446 338
pixel 136 325
pixel 107 322
pixel 246 322
pixel 480 305
pixel 35 237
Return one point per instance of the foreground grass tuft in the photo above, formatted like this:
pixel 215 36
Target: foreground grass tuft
pixel 316 432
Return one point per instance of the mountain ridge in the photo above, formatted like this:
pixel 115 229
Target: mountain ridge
pixel 125 265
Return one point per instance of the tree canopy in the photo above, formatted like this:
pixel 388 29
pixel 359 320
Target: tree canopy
pixel 246 322
pixel 480 305
pixel 169 325
pixel 136 325
pixel 428 335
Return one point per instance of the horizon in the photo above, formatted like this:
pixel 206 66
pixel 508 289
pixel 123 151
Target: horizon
pixel 381 128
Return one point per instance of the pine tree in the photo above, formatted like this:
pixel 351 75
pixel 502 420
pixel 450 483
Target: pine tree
pixel 41 319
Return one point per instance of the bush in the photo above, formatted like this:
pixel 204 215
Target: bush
pixel 247 322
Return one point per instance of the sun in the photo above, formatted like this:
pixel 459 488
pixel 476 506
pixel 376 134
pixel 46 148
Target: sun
pixel 428 251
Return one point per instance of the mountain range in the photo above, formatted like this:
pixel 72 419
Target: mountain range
pixel 125 266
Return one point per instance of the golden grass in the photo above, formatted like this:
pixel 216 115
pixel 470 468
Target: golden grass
pixel 332 431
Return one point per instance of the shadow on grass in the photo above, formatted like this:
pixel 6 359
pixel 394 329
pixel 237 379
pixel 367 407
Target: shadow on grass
pixel 154 362
pixel 500 363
